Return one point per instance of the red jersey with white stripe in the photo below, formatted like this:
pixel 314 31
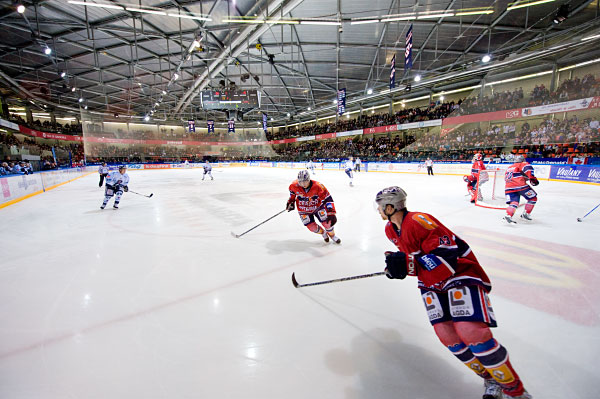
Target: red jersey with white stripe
pixel 516 177
pixel 439 258
pixel 477 167
pixel 309 200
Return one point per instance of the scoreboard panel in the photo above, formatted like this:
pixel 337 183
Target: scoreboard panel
pixel 230 99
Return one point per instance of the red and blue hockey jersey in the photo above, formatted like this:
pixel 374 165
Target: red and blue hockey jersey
pixel 516 177
pixel 439 258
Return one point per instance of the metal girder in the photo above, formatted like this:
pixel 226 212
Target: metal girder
pixel 381 36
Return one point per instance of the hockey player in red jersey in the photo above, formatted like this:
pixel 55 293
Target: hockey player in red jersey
pixel 454 288
pixel 476 173
pixel 516 178
pixel 313 199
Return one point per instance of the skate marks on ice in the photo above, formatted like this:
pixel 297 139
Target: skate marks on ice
pixel 316 247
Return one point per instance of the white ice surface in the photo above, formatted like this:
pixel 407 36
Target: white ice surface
pixel 158 300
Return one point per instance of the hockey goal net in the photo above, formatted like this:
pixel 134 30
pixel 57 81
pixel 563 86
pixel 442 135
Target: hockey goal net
pixel 490 189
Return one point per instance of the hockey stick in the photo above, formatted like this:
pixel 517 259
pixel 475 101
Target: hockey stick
pixel 239 235
pixel 581 219
pixel 337 280
pixel 147 196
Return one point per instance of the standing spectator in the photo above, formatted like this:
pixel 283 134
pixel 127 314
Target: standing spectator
pixel 429 164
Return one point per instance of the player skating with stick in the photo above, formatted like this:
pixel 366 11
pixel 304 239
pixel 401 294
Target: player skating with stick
pixel 116 183
pixel 313 199
pixel 454 289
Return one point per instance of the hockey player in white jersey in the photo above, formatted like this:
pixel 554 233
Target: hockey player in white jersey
pixel 116 183
pixel 103 171
pixel 311 166
pixel 348 168
pixel 207 170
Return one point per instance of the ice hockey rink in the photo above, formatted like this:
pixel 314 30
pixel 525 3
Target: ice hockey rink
pixel 158 300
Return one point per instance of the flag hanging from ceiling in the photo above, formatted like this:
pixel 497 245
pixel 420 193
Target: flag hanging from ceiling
pixel 211 126
pixel 191 126
pixel 264 122
pixel 408 49
pixel 393 73
pixel 231 127
pixel 341 101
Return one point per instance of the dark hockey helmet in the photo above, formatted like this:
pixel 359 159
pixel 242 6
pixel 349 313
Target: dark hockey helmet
pixel 303 175
pixel 519 158
pixel 122 167
pixel 393 195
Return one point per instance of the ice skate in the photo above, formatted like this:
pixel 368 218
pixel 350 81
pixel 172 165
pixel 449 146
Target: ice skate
pixel 492 389
pixel 325 236
pixel 508 219
pixel 102 206
pixel 115 206
pixel 336 239
pixel 525 395
pixel 526 216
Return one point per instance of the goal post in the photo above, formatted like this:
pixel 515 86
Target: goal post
pixel 490 189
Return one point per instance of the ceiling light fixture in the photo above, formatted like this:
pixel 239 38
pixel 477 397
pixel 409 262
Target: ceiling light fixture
pixel 20 8
pixel 144 10
pixel 533 3
pixel 444 15
pixel 418 78
pixel 146 118
pixel 63 74
pixel 486 58
pixel 309 22
pixel 47 51
pixel 175 76
pixel 100 5
pixel 408 18
pixel 364 21
pixel 463 13
pixel 370 91
pixel 200 18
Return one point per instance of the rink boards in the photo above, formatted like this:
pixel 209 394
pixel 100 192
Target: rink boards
pixel 18 188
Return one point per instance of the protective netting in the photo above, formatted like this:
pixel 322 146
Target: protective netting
pixel 127 141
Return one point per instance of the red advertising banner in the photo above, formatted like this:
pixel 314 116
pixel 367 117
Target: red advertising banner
pixel 485 117
pixel 44 135
pixel 380 129
pixel 325 136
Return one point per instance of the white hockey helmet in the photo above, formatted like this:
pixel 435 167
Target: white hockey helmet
pixel 394 196
pixel 519 158
pixel 303 175
pixel 478 157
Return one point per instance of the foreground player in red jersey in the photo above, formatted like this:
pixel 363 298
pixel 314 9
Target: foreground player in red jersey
pixel 454 288
pixel 313 199
pixel 516 186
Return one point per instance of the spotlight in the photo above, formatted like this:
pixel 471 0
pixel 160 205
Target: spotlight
pixel 272 119
pixel 156 104
pixel 562 14
pixel 164 92
pixel 418 78
pixel 175 76
pixel 486 58
pixel 309 108
pixel 80 99
pixel 73 89
pixel 146 118
pixel 85 107
pixel 116 115
pixel 47 51
pixel 63 74
pixel 20 8
pixel 370 91
pixel 335 102
pixel 442 98
pixel 288 115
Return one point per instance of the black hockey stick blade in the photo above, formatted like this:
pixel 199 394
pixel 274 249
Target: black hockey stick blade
pixel 579 219
pixel 294 280
pixel 151 194
pixel 235 235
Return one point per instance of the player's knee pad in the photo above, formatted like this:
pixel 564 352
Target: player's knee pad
pixel 118 195
pixel 532 201
pixel 312 226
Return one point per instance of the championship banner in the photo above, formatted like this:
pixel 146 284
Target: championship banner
pixel 231 127
pixel 393 73
pixel 408 49
pixel 341 100
pixel 192 126
pixel 264 117
pixel 210 124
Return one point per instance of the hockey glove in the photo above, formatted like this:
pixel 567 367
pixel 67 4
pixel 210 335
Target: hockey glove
pixel 534 181
pixel 125 188
pixel 395 265
pixel 332 220
pixel 290 206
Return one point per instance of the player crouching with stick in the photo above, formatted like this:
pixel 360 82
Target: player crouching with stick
pixel 454 289
pixel 116 183
pixel 313 199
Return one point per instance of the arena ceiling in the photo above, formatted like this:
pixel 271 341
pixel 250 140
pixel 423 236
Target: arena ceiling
pixel 135 58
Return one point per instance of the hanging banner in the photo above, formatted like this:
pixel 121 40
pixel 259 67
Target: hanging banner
pixel 264 122
pixel 393 73
pixel 211 126
pixel 408 49
pixel 192 126
pixel 231 127
pixel 341 100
